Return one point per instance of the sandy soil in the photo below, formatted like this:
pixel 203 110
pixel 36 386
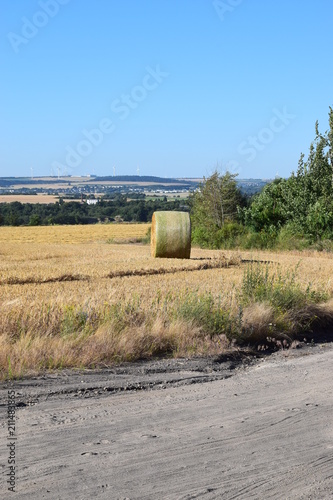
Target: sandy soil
pixel 179 429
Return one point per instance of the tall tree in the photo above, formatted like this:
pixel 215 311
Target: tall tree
pixel 214 204
pixel 305 200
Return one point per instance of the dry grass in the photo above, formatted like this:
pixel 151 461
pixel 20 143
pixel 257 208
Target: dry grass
pixel 29 198
pixel 68 298
pixel 258 319
pixel 71 234
pixel 30 354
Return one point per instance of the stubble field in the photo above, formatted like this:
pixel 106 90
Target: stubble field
pixel 28 198
pixel 70 298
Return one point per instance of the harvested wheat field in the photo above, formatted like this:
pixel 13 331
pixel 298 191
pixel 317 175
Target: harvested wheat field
pixel 72 234
pixel 29 198
pixel 70 298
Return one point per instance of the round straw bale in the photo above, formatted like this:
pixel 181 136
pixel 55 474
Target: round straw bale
pixel 171 235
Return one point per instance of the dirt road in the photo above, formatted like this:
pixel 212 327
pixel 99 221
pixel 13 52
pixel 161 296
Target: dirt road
pixel 177 430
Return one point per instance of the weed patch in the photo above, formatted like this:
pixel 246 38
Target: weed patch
pixel 277 309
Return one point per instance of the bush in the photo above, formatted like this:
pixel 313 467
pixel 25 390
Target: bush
pixel 291 238
pixel 229 236
pixel 205 312
pixel 35 220
pixel 202 237
pixel 275 309
pixel 260 240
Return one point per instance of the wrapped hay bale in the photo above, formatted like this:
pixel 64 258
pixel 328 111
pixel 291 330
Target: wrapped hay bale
pixel 171 235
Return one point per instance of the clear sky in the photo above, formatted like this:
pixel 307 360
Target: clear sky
pixel 170 87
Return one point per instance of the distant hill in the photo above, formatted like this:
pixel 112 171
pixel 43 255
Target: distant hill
pixel 12 181
pixel 247 186
pixel 141 178
pixel 251 186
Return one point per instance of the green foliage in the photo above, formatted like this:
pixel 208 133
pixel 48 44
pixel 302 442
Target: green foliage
pixel 230 235
pixel 74 321
pixel 214 210
pixel 304 202
pixel 206 312
pixel 203 238
pixel 10 371
pixel 74 212
pixel 35 220
pixel 267 209
pixel 281 291
pixel 323 246
pixel 290 238
pixel 260 240
pixel 147 237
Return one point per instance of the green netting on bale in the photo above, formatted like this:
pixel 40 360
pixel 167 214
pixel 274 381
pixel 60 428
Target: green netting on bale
pixel 171 235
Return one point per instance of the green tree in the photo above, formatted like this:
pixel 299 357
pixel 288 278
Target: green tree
pixel 214 206
pixel 304 202
pixel 267 209
pixel 35 220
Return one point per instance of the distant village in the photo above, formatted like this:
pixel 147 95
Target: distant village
pixel 91 188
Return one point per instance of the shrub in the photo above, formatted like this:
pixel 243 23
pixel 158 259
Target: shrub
pixel 274 308
pixel 206 312
pixel 282 291
pixel 291 238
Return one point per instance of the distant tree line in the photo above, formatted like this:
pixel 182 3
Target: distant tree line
pixel 118 208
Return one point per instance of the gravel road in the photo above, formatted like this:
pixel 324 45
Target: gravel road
pixel 177 429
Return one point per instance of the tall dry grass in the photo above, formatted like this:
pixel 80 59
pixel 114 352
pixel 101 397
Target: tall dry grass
pixel 90 303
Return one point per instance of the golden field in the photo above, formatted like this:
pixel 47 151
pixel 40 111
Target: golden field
pixel 28 198
pixel 71 234
pixel 70 298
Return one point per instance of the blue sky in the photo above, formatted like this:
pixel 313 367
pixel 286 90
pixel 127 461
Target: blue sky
pixel 173 88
